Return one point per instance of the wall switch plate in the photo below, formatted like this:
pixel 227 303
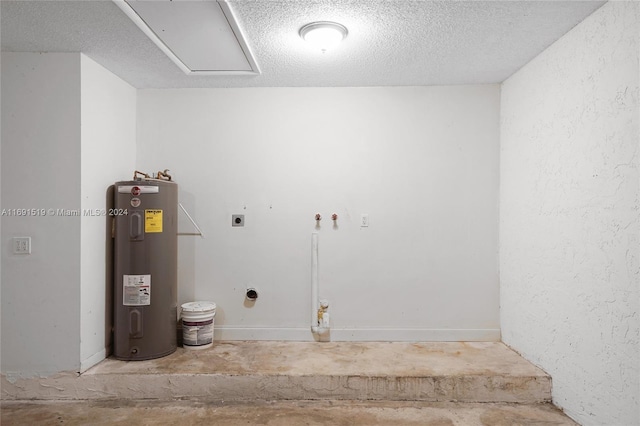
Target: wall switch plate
pixel 237 220
pixel 364 220
pixel 22 245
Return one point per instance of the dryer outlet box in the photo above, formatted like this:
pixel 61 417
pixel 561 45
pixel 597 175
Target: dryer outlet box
pixel 237 220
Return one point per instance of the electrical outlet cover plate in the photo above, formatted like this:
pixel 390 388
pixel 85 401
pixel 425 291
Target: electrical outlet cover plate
pixel 237 220
pixel 22 245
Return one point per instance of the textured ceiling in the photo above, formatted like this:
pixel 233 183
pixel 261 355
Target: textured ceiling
pixel 390 42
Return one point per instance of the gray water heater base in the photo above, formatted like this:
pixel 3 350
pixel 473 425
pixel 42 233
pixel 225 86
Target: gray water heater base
pixel 145 264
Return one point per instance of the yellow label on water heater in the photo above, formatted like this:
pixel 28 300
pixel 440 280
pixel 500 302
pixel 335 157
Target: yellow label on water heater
pixel 153 221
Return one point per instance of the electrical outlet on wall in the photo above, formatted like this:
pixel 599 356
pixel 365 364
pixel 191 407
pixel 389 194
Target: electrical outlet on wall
pixel 364 220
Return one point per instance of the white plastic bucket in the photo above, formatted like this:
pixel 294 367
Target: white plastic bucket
pixel 197 324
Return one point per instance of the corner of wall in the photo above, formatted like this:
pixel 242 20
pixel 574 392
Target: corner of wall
pixel 108 155
pixel 40 194
pixel 569 225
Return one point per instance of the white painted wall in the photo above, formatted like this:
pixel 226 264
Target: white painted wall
pixel 41 170
pixel 1 204
pixel 108 150
pixel 421 161
pixel 65 123
pixel 569 216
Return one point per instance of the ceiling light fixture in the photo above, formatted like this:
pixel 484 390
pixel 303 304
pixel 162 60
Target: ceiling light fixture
pixel 324 35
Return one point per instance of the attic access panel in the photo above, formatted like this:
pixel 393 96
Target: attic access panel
pixel 201 37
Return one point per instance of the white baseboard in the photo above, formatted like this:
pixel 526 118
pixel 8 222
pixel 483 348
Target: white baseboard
pixel 359 334
pixel 339 335
pixel 92 360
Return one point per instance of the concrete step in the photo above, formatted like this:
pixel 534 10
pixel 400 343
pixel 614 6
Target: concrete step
pixel 279 413
pixel 269 370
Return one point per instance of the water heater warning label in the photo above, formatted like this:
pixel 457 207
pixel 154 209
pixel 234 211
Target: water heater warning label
pixel 153 221
pixel 136 290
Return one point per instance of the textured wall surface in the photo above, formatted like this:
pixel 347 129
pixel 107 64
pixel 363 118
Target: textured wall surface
pixel 569 216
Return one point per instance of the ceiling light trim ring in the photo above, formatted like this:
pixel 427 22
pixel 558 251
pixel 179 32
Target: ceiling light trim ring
pixel 308 29
pixel 323 24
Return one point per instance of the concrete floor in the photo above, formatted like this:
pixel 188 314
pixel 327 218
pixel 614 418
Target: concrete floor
pixel 280 413
pixel 296 383
pixel 267 370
